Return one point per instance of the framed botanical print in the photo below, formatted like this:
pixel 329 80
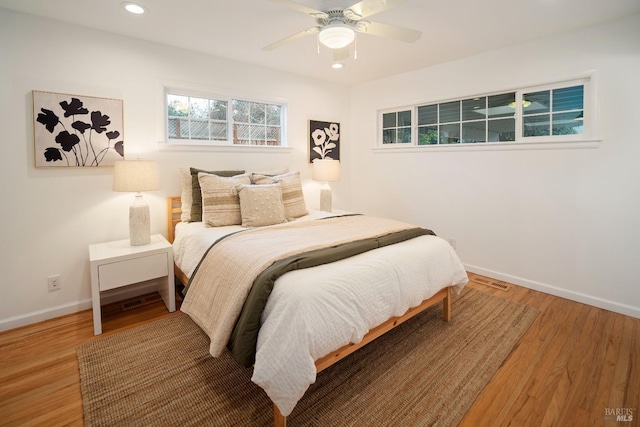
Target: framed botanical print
pixel 324 140
pixel 77 130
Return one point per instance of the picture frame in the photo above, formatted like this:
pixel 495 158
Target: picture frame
pixel 324 140
pixel 77 130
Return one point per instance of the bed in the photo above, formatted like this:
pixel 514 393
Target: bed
pixel 384 287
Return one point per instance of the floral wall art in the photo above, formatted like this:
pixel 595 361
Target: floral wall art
pixel 77 130
pixel 324 140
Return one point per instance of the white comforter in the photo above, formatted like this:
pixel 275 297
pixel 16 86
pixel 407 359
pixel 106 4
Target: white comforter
pixel 314 311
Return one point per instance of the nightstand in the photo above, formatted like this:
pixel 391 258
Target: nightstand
pixel 117 264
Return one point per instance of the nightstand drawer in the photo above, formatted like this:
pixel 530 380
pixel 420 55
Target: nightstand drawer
pixel 117 274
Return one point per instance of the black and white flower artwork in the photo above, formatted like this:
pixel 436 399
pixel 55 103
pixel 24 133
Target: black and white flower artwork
pixel 76 130
pixel 324 140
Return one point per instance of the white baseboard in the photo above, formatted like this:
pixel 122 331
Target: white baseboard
pixel 76 306
pixel 617 307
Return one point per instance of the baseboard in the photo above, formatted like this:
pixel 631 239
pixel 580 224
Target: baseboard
pixel 617 307
pixel 74 307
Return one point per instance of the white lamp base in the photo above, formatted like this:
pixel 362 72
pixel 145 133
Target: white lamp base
pixel 325 197
pixel 139 223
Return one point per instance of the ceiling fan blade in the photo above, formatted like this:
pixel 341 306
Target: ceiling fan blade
pixel 340 54
pixel 302 8
pixel 392 31
pixel 370 7
pixel 292 37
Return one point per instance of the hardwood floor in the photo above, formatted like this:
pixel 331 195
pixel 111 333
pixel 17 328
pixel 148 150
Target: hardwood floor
pixel 574 364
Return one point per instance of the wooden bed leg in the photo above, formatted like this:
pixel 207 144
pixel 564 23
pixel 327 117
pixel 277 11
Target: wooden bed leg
pixel 446 306
pixel 279 420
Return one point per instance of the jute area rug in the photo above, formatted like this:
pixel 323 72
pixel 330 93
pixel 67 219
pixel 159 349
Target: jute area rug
pixel 424 372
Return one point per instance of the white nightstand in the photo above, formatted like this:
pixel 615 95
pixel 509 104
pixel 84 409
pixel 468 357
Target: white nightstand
pixel 117 264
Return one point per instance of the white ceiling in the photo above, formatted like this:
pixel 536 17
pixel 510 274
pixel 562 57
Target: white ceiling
pixel 238 29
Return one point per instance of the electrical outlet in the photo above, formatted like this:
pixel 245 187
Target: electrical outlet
pixel 54 282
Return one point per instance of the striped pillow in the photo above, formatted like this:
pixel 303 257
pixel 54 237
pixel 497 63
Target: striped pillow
pixel 292 195
pixel 220 201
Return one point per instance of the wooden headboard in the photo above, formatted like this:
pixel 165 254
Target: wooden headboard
pixel 174 211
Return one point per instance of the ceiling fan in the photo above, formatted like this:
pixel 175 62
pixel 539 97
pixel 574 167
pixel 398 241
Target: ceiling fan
pixel 337 28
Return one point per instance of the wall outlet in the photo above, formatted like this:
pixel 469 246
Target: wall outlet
pixel 452 242
pixel 54 282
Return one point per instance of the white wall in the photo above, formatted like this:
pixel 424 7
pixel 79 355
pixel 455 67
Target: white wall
pixel 564 221
pixel 50 215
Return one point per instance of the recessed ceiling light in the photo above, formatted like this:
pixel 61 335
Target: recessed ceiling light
pixel 133 8
pixel 337 65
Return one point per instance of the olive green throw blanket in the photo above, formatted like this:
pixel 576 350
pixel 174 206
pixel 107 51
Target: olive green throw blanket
pixel 230 288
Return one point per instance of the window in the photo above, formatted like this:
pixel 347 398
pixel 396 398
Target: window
pixel 396 127
pixel 223 121
pixel 540 114
pixel 553 112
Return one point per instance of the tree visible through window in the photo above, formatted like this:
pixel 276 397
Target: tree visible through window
pixel 191 118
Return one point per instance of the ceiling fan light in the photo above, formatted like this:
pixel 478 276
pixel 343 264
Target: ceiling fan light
pixel 336 36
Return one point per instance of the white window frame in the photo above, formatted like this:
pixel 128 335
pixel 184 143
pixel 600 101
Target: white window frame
pixel 228 144
pixel 588 139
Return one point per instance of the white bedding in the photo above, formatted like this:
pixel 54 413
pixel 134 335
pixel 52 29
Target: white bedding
pixel 314 311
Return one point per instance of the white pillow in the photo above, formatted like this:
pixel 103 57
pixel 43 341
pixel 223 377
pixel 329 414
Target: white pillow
pixel 186 196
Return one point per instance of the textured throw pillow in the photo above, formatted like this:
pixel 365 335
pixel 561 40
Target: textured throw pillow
pixel 270 172
pixel 292 195
pixel 220 201
pixel 186 194
pixel 261 205
pixel 196 203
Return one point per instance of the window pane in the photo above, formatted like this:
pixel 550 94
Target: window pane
pixel 273 135
pixel 273 115
pixel 502 130
pixel 177 105
pixel 568 98
pixel 218 131
pixel 474 132
pixel 199 108
pixel 427 135
pixel 536 125
pixel 404 118
pixel 502 105
pixel 389 136
pixel 389 120
pixel 240 111
pixel 199 129
pixel 428 115
pixel 218 110
pixel 474 108
pixel 258 114
pixel 450 134
pixel 450 112
pixel 567 123
pixel 172 128
pixel 404 135
pixel 536 102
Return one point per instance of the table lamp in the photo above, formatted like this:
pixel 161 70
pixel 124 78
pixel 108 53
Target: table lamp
pixel 325 171
pixel 136 176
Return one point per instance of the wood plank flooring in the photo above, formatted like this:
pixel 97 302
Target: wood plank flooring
pixel 575 363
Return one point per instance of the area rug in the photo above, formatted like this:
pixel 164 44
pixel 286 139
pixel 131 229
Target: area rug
pixel 424 372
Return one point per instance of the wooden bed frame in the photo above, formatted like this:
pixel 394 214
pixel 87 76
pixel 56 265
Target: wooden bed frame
pixel 174 211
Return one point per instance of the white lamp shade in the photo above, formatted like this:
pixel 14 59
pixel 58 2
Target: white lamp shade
pixel 326 170
pixel 135 175
pixel 336 36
